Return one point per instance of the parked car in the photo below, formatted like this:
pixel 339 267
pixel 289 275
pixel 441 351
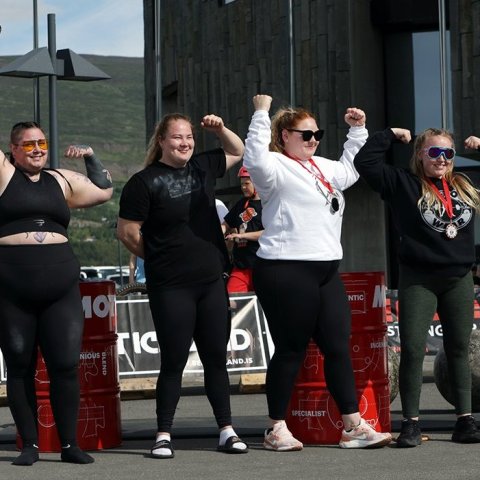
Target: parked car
pixel 103 271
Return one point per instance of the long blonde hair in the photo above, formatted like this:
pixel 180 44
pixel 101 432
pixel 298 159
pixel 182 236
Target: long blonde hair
pixel 285 118
pixel 154 150
pixel 460 182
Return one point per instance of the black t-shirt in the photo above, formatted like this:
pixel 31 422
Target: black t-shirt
pixel 181 232
pixel 245 216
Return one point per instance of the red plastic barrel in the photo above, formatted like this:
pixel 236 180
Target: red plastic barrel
pixel 313 416
pixel 99 423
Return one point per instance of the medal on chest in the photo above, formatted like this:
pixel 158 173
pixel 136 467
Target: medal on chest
pixel 451 231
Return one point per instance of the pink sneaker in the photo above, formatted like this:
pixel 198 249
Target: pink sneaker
pixel 364 436
pixel 281 439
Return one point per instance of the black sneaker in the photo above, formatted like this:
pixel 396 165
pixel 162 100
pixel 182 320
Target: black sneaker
pixel 466 430
pixel 410 434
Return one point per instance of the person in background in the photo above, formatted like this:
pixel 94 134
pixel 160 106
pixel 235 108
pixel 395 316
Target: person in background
pixel 39 282
pixel 222 209
pixel 243 226
pixel 434 210
pixel 168 217
pixel 296 276
pixel 136 269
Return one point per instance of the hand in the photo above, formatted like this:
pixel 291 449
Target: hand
pixel 262 102
pixel 233 236
pixel 472 142
pixel 212 123
pixel 77 151
pixel 402 134
pixel 355 117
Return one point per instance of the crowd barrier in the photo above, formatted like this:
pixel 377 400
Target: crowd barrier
pixel 250 346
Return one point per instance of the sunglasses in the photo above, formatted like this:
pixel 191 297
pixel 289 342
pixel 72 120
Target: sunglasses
pixel 29 145
pixel 308 134
pixel 435 152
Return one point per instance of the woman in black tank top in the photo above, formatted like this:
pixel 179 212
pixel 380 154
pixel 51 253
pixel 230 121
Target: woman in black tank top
pixel 39 292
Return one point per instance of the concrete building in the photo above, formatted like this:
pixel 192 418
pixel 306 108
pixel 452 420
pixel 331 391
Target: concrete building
pixel 212 56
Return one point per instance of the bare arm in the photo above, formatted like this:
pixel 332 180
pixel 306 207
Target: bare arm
pixel 86 190
pixel 132 265
pixel 128 232
pixel 6 171
pixel 252 236
pixel 231 142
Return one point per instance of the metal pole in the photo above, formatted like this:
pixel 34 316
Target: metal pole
pixel 158 66
pixel 291 54
pixel 36 81
pixel 52 93
pixel 443 61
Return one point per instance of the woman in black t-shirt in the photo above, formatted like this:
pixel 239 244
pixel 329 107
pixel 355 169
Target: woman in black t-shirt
pixel 243 225
pixel 168 217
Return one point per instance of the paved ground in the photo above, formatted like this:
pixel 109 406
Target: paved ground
pixel 195 439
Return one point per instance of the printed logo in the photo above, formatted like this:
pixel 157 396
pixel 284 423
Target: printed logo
pixel 438 220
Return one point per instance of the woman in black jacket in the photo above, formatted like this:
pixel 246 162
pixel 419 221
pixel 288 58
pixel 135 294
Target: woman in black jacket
pixel 433 209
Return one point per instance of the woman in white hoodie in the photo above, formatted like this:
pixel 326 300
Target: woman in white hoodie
pixel 296 275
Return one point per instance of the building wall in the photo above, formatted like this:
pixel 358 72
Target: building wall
pixel 465 46
pixel 215 58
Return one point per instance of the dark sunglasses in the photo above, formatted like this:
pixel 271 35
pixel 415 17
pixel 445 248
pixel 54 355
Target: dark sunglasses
pixel 308 134
pixel 434 152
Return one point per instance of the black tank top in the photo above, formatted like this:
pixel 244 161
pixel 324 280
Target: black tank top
pixel 27 206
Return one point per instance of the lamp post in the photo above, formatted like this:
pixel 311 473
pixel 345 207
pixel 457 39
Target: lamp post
pixel 36 81
pixel 62 65
pixel 443 62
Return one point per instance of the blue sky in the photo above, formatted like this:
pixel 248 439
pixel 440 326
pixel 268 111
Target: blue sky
pixel 100 27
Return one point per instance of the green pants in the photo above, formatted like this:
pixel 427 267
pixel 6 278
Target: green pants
pixel 420 296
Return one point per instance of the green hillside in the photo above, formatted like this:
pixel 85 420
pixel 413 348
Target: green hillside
pixel 107 114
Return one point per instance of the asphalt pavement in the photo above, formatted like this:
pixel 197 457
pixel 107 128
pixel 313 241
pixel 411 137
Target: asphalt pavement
pixel 195 440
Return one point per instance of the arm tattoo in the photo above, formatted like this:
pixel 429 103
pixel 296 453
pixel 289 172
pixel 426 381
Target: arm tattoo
pixel 97 173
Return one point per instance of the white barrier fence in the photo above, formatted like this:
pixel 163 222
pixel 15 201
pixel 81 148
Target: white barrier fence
pixel 250 346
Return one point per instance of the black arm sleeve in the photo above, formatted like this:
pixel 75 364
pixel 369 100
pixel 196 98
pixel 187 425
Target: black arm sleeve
pixel 97 173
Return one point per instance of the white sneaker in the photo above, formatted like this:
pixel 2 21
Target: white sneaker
pixel 281 439
pixel 364 436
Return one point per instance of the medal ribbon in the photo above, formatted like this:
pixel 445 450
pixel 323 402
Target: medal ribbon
pixel 318 175
pixel 447 199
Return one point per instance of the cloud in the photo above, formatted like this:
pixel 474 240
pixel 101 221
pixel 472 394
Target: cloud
pixel 102 27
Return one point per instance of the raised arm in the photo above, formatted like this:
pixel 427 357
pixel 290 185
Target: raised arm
pixel 230 141
pixel 94 188
pixel 6 171
pixel 472 142
pixel 257 158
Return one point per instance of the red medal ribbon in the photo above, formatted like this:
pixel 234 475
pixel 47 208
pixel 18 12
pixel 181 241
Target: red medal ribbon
pixel 319 175
pixel 447 199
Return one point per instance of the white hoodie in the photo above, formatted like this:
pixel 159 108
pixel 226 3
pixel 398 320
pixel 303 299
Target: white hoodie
pixel 298 219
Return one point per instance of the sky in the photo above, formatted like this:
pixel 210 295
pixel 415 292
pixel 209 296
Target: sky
pixel 99 27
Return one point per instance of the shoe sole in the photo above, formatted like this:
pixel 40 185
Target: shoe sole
pixel 408 444
pixel 154 455
pixel 464 439
pixel 272 448
pixel 361 444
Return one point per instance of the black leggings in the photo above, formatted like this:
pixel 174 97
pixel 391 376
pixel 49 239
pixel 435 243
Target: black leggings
pixel 40 304
pixel 181 315
pixel 420 296
pixel 302 301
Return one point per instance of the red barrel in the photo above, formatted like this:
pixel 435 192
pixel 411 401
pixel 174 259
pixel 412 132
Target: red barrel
pixel 99 423
pixel 313 416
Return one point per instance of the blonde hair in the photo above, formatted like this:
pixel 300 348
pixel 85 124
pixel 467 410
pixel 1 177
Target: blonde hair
pixel 154 150
pixel 284 119
pixel 460 182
